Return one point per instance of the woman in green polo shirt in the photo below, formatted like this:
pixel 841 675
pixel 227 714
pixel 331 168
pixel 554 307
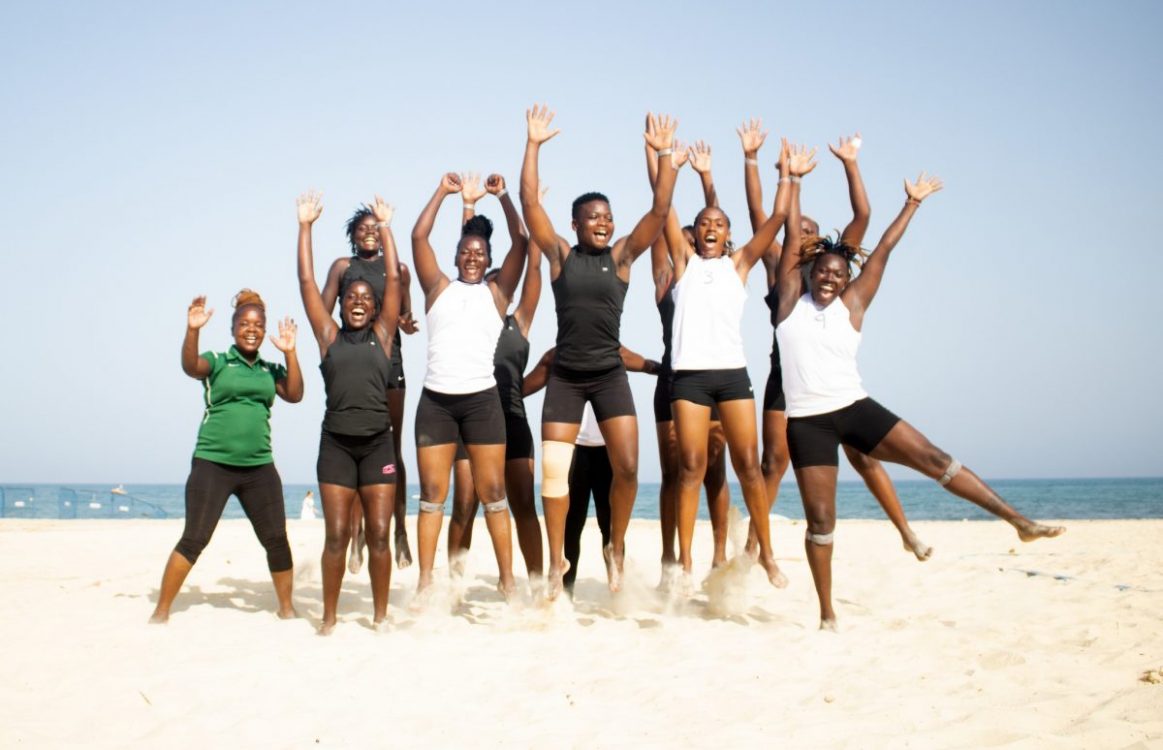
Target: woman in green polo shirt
pixel 233 453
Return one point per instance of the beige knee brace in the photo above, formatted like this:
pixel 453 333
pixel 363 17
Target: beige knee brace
pixel 950 472
pixel 555 460
pixel 819 539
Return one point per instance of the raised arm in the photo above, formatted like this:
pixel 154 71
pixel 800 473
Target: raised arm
pixel 470 192
pixel 790 280
pixel 536 378
pixel 751 136
pixel 196 316
pixel 406 322
pixel 763 244
pixel 290 388
pixel 530 291
pixel 541 230
pixel 309 206
pixel 846 151
pixel 331 286
pixel 661 268
pixel 700 158
pixel 660 136
pixel 858 295
pixel 389 315
pixel 514 262
pixel 674 241
pixel 432 280
pixel 635 362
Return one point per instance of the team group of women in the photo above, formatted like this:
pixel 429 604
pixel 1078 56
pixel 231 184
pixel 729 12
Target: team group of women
pixel 471 421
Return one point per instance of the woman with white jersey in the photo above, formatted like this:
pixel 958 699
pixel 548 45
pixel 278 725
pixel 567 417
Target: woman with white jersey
pixel 819 332
pixel 460 400
pixel 710 369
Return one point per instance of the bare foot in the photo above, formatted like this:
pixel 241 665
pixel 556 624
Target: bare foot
pixel 613 568
pixel 1028 531
pixel 828 625
pixel 507 591
pixel 685 587
pixel 287 613
pixel 382 625
pixel 555 580
pixel 774 575
pixel 403 551
pixel 325 628
pixel 670 574
pixel 913 544
pixel 422 598
pixel 159 618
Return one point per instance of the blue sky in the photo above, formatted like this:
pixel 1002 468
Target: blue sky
pixel 152 152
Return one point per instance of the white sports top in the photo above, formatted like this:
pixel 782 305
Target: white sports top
pixel 708 311
pixel 463 328
pixel 817 351
pixel 590 436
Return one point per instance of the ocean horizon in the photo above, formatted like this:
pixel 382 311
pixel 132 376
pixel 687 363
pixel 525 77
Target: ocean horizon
pixel 922 500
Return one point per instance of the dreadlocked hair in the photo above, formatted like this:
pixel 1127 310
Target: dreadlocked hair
pixel 244 299
pixel 813 247
pixel 353 223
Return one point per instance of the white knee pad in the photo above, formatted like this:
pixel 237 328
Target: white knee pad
pixel 555 460
pixel 820 539
pixel 950 472
pixel 427 507
pixel 496 506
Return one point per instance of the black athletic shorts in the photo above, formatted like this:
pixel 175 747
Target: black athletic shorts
pixel 568 391
pixel 662 410
pixel 709 387
pixel 356 461
pixel 475 418
pixel 815 440
pixel 773 398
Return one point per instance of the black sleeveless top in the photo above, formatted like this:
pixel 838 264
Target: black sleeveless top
pixel 355 375
pixel 372 271
pixel 772 300
pixel 509 362
pixel 666 314
pixel 588 296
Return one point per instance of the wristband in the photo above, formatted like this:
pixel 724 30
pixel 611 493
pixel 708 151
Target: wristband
pixel 383 225
pixel 750 160
pixel 665 152
pixel 502 193
pixel 795 179
pixel 912 201
pixel 470 206
pixel 784 179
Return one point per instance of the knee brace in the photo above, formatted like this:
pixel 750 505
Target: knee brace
pixel 950 472
pixel 496 506
pixel 819 539
pixel 427 507
pixel 555 460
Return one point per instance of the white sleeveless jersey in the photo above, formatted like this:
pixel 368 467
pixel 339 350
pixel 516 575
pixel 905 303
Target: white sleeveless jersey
pixel 463 328
pixel 708 313
pixel 817 352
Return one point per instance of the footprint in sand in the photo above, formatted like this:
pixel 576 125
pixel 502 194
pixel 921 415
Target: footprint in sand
pixel 1001 660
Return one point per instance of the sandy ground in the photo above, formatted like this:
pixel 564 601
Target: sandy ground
pixel 991 643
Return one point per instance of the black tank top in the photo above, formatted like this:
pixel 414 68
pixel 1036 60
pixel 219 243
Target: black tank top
pixel 509 364
pixel 372 271
pixel 588 295
pixel 772 300
pixel 666 314
pixel 355 375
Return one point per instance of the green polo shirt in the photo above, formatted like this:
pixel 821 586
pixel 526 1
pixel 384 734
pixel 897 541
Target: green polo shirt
pixel 236 427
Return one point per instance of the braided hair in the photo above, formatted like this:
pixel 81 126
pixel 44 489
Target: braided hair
pixel 813 247
pixel 353 223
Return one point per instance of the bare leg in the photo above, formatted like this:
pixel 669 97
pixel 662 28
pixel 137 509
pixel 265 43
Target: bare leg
pixel 556 510
pixel 378 501
pixel 396 415
pixel 519 484
pixel 358 540
pixel 488 473
pixel 177 568
pixel 337 501
pixel 668 462
pixel 621 436
pixel 718 496
pixel 284 581
pixel 818 490
pixel 881 487
pixel 905 445
pixel 435 463
pixel 692 423
pixel 464 511
pixel 774 463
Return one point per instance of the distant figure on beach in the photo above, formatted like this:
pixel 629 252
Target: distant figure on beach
pixel 775 456
pixel 366 263
pixel 233 452
pixel 357 454
pixel 308 511
pixel 819 325
pixel 589 281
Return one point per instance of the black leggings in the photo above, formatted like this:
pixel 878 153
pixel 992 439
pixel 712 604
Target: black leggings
pixel 258 488
pixel 590 473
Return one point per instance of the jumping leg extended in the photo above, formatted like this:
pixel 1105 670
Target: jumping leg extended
pixel 881 487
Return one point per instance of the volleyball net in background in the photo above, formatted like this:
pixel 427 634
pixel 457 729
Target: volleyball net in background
pixel 73 502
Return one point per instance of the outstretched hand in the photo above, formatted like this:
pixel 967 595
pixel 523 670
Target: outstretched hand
pixel 285 341
pixel 923 187
pixel 407 323
pixel 659 133
pixel 700 154
pixel 848 148
pixel 751 135
pixel 495 183
pixel 310 205
pixel 471 190
pixel 680 155
pixel 800 161
pixel 538 120
pixel 382 211
pixel 784 154
pixel 450 183
pixel 197 315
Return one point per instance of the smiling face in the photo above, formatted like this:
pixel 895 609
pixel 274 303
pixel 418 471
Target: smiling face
pixel 828 278
pixel 712 232
pixel 365 238
pixel 472 259
pixel 358 307
pixel 594 224
pixel 249 328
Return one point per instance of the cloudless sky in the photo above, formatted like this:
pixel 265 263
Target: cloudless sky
pixel 151 152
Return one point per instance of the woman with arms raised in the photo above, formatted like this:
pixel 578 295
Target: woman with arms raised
pixel 357 457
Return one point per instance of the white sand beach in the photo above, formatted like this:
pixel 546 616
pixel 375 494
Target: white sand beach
pixel 991 643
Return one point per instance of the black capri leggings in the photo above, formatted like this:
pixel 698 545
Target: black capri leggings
pixel 590 473
pixel 258 488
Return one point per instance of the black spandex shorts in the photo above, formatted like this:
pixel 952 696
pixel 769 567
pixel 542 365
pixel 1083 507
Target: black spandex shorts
pixel 518 440
pixel 773 398
pixel 475 418
pixel 709 387
pixel 356 461
pixel 814 440
pixel 662 389
pixel 569 390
